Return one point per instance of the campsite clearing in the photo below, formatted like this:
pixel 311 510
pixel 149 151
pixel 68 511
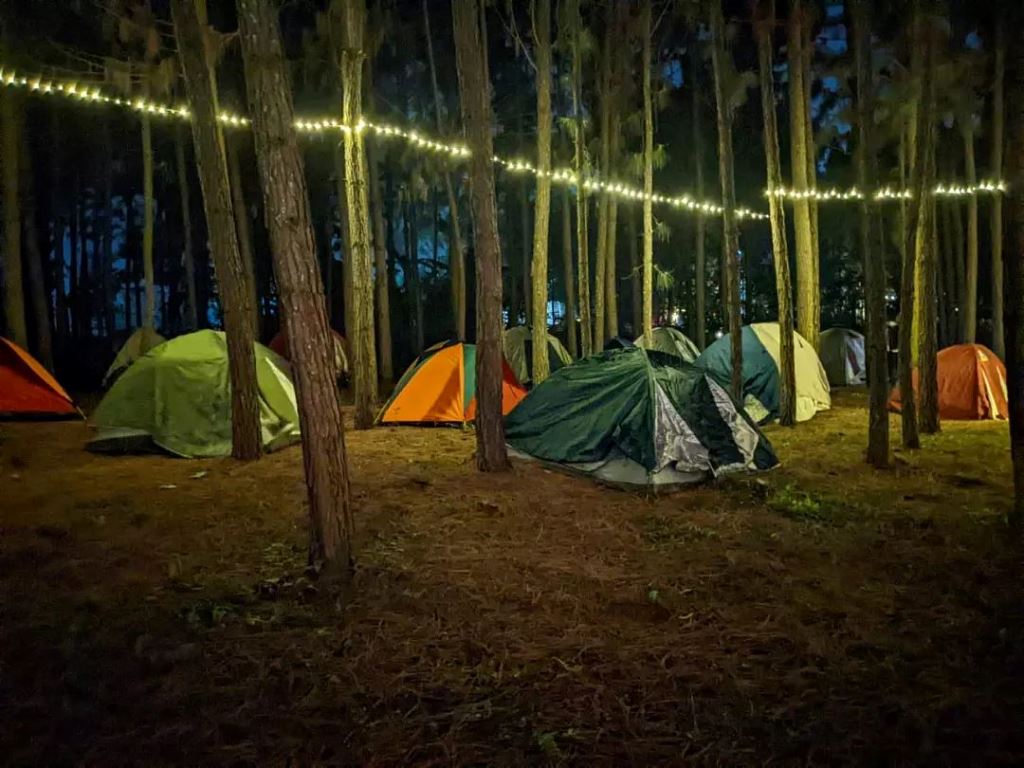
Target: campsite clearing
pixel 157 610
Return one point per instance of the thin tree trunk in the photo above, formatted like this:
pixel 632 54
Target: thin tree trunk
pixel 580 169
pixel 872 256
pixel 970 309
pixel 14 292
pixel 456 249
pixel 232 277
pixel 1014 274
pixel 636 290
pixel 344 239
pixel 475 103
pixel 241 211
pixel 996 142
pixel 361 338
pixel 571 335
pixel 525 250
pixel 412 253
pixel 34 259
pixel 928 417
pixel 304 310
pixel 148 223
pixel 780 250
pixel 730 234
pixel 187 255
pixel 808 307
pixel 611 280
pixel 806 79
pixel 648 158
pixel 604 84
pixel 542 204
pixel 382 281
pixel 699 259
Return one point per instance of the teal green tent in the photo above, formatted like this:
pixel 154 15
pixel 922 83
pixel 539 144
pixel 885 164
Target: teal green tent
pixel 177 397
pixel 519 353
pixel 670 341
pixel 638 419
pixel 761 372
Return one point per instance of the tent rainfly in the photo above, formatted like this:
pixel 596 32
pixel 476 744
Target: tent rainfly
pixel 842 357
pixel 761 372
pixel 518 344
pixel 636 419
pixel 671 341
pixel 177 398
pixel 139 343
pixel 972 384
pixel 27 389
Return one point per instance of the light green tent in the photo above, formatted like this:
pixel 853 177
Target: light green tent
pixel 138 344
pixel 761 343
pixel 519 353
pixel 638 419
pixel 177 398
pixel 671 341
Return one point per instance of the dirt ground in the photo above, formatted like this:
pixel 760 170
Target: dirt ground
pixel 157 611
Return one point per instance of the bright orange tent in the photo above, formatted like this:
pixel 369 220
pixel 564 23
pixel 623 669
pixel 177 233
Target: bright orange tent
pixel 440 388
pixel 28 389
pixel 972 384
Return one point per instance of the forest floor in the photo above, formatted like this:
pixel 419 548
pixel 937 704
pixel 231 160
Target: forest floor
pixel 156 611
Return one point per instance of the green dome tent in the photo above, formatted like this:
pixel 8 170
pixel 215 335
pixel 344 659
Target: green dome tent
pixel 671 341
pixel 637 419
pixel 139 343
pixel 842 357
pixel 519 353
pixel 178 398
pixel 761 372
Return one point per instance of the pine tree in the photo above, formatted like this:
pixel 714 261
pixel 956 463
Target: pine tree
pixel 541 13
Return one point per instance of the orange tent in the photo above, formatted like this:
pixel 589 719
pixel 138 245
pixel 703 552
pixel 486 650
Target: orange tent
pixel 440 388
pixel 26 388
pixel 972 384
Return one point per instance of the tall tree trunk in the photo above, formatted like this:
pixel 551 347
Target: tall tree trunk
pixel 580 170
pixel 604 84
pixel 187 255
pixel 147 223
pixel 699 259
pixel 611 280
pixel 298 279
pixel 647 63
pixel 777 212
pixel 927 347
pixel 996 142
pixel 571 335
pixel 808 301
pixel 525 249
pixel 542 204
pixel 382 281
pixel 232 277
pixel 14 292
pixel 475 103
pixel 361 338
pixel 945 209
pixel 34 258
pixel 636 290
pixel 872 256
pixel 346 259
pixel 1014 273
pixel 807 81
pixel 242 221
pixel 456 249
pixel 970 307
pixel 730 234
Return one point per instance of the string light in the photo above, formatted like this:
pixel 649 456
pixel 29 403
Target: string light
pixel 565 176
pixel 981 188
pixel 886 193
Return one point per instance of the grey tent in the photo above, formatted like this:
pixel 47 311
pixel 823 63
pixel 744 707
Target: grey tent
pixel 671 341
pixel 842 356
pixel 519 353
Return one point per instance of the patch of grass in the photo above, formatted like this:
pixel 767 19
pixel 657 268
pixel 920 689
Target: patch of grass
pixel 658 530
pixel 795 504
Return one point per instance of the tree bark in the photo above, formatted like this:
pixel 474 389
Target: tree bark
pixel 526 249
pixel 996 142
pixel 970 307
pixel 571 336
pixel 361 337
pixel 872 256
pixel 344 239
pixel 242 222
pixel 542 204
pixel 475 103
pixel 382 281
pixel 808 301
pixel 456 249
pixel 304 311
pixel 636 290
pixel 580 169
pixel 927 348
pixel 604 85
pixel 236 291
pixel 148 275
pixel 648 276
pixel 730 234
pixel 777 212
pixel 34 259
pixel 699 259
pixel 14 291
pixel 187 255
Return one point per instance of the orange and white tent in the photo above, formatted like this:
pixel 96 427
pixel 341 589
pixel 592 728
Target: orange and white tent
pixel 972 384
pixel 440 388
pixel 28 389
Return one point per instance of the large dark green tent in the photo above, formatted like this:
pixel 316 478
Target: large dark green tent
pixel 637 418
